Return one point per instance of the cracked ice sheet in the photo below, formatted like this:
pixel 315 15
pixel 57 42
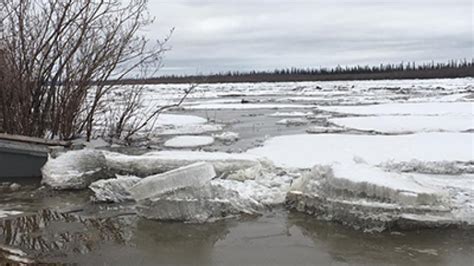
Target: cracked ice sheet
pixel 401 124
pixel 305 151
pixel 456 108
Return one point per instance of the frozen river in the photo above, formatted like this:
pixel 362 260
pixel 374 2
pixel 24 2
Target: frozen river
pixel 404 145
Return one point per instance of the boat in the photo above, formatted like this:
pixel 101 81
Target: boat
pixel 22 156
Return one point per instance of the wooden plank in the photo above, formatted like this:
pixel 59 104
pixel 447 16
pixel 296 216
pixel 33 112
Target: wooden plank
pixel 34 140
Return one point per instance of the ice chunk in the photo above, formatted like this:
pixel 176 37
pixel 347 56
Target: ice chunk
pixel 159 162
pixel 192 129
pixel 178 120
pixel 75 169
pixel 114 190
pixel 189 141
pixel 321 130
pixel 291 114
pixel 368 198
pixel 227 136
pixel 404 124
pixel 292 122
pixel 194 175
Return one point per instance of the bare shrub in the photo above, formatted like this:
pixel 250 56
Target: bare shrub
pixel 61 57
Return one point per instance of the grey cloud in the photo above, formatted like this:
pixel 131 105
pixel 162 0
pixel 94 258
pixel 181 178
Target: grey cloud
pixel 218 35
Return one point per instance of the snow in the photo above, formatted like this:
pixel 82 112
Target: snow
pixel 234 106
pixel 179 120
pixel 194 175
pixel 304 151
pixel 432 108
pixel 189 141
pixel 403 124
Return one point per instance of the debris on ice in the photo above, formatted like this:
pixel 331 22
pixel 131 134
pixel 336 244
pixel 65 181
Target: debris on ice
pixel 75 169
pixel 114 189
pixel 194 175
pixel 189 141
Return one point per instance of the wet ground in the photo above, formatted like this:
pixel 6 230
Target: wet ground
pixel 66 227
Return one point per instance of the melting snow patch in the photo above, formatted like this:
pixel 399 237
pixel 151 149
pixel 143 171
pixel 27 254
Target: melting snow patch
pixel 189 141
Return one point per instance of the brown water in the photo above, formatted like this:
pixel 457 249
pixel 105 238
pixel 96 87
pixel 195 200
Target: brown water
pixel 276 238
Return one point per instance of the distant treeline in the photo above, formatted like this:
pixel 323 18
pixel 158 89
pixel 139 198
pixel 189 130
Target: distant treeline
pixel 411 70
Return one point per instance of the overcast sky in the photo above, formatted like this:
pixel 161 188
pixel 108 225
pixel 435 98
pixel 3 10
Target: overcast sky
pixel 220 35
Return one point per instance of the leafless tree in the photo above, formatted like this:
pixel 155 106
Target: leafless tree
pixel 61 57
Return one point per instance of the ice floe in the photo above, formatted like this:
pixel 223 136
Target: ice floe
pixel 114 189
pixel 432 108
pixel 404 124
pixel 233 106
pixel 291 114
pixel 292 122
pixel 189 141
pixel 227 136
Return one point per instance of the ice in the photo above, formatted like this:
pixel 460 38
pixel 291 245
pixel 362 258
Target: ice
pixel 208 203
pixel 194 175
pixel 292 122
pixel 291 114
pixel 191 129
pixel 227 136
pixel 159 162
pixel 321 129
pixel 75 169
pixel 5 213
pixel 437 168
pixel 245 106
pixel 189 141
pixel 432 108
pixel 303 151
pixel 370 199
pixel 179 120
pixel 114 190
pixel 404 124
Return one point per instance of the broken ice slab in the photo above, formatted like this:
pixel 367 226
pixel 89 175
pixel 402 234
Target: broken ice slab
pixel 114 190
pixel 75 169
pixel 194 175
pixel 368 198
pixel 321 130
pixel 198 204
pixel 159 162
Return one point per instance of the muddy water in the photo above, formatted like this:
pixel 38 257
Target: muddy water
pixel 276 238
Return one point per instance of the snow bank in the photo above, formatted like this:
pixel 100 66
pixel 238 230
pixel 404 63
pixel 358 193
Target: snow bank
pixel 75 169
pixel 189 141
pixel 303 151
pixel 403 124
pixel 432 108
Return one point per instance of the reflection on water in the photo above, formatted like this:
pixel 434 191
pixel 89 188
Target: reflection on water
pixel 277 238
